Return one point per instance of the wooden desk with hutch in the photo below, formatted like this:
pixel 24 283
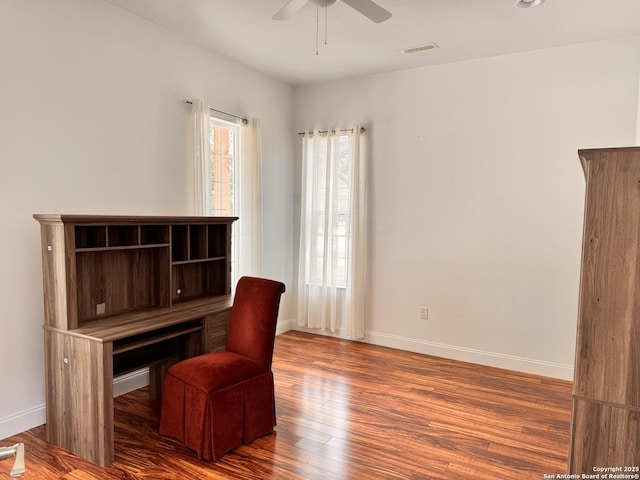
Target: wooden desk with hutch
pixel 122 293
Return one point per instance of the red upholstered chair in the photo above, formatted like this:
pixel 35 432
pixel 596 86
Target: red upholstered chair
pixel 215 402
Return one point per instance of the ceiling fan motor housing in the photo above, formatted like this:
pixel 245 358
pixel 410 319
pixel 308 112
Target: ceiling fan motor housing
pixel 322 3
pixel 368 8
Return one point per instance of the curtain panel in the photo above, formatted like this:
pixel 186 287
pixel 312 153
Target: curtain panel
pixel 333 248
pixel 201 161
pixel 249 228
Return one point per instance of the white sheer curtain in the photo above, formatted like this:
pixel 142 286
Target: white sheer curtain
pixel 356 293
pixel 201 157
pixel 332 263
pixel 249 228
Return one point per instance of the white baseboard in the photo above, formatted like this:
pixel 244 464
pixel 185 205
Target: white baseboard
pixel 21 421
pixel 33 417
pixel 481 357
pixel 130 381
pixel 284 326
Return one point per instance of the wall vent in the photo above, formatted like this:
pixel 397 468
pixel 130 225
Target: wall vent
pixel 421 48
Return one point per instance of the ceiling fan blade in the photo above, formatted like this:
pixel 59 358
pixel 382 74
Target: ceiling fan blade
pixel 369 9
pixel 289 10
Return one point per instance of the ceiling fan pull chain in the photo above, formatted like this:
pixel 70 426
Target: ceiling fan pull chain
pixel 326 19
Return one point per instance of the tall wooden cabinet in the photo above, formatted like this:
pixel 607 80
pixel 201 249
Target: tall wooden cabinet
pixel 121 293
pixel 606 397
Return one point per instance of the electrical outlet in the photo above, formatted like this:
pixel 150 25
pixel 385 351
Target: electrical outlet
pixel 424 313
pixel 101 308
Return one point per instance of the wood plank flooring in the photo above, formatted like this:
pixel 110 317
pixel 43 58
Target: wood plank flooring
pixel 349 410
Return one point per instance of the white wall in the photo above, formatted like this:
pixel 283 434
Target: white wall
pixel 92 121
pixel 477 195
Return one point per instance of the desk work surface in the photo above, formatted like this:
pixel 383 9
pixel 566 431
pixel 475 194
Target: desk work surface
pixel 117 327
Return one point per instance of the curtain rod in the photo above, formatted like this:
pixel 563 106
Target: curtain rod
pixel 242 119
pixel 362 130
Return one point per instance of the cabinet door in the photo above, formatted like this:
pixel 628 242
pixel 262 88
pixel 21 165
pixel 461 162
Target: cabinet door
pixel 603 435
pixel 607 358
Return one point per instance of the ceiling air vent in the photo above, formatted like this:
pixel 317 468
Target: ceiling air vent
pixel 421 48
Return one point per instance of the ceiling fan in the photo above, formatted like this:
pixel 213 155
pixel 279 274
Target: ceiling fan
pixel 368 8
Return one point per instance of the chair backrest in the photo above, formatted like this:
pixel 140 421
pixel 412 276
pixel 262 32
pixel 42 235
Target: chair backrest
pixel 252 327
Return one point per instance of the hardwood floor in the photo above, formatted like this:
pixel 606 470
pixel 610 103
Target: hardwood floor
pixel 348 410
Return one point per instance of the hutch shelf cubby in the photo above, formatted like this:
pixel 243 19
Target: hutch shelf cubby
pixel 122 293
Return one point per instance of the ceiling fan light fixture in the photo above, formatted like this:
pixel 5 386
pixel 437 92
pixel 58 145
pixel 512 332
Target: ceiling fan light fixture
pixel 528 3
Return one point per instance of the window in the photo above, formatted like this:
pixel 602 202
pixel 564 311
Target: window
pixel 224 142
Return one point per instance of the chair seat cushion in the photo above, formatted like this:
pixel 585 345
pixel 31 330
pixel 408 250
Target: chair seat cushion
pixel 215 371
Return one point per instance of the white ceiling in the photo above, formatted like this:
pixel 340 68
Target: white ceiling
pixel 464 29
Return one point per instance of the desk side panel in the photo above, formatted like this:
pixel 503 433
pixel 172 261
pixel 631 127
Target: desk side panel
pixel 79 394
